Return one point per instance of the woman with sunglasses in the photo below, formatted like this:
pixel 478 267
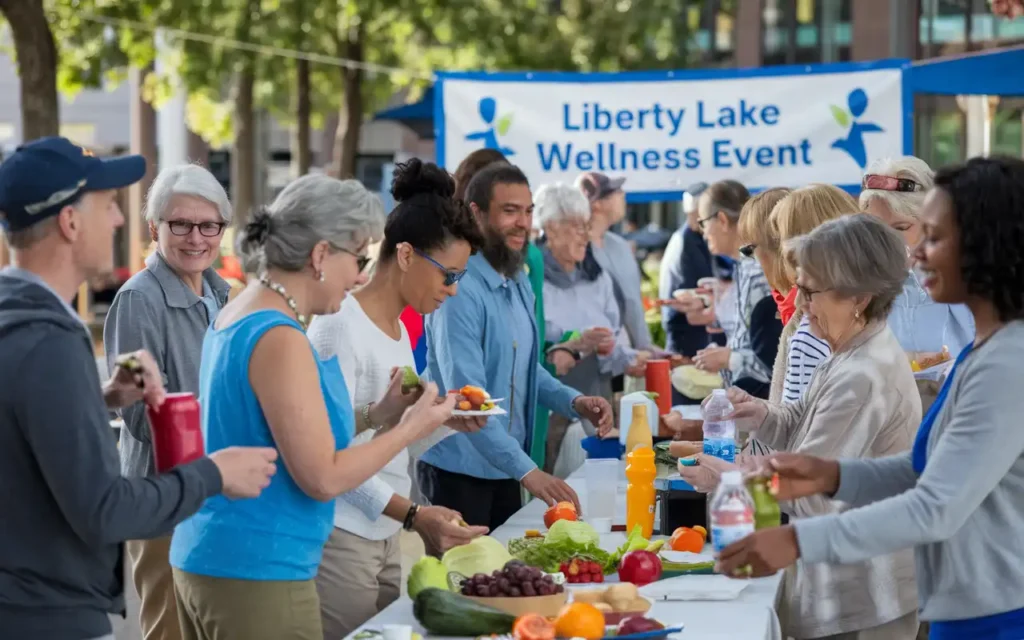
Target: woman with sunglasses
pixel 246 568
pixel 955 497
pixel 749 356
pixel 893 190
pixel 427 241
pixel 166 309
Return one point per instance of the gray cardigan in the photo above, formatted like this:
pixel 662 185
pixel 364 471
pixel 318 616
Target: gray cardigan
pixel 157 312
pixel 963 515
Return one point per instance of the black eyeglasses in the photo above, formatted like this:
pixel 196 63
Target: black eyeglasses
pixel 206 229
pixel 747 250
pixel 361 260
pixel 809 293
pixel 703 222
pixel 451 276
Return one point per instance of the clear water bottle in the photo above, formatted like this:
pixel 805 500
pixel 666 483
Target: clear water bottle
pixel 719 429
pixel 731 512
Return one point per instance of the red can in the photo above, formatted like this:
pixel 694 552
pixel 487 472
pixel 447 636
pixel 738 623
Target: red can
pixel 175 427
pixel 659 381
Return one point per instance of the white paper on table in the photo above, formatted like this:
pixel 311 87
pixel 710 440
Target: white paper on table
pixel 695 588
pixel 686 557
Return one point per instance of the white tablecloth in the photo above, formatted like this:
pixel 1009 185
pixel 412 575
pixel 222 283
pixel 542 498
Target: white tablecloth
pixel 750 617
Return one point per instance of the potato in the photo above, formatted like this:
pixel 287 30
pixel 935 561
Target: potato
pixel 603 607
pixel 620 596
pixel 590 596
pixel 639 606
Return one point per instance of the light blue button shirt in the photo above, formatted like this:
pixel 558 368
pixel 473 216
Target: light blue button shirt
pixel 473 338
pixel 921 324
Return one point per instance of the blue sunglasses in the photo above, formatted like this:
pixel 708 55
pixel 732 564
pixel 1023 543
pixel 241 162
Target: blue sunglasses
pixel 450 275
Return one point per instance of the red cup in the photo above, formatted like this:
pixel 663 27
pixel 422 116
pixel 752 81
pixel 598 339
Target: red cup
pixel 658 380
pixel 176 432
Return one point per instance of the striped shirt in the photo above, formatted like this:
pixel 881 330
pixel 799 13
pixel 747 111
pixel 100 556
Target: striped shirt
pixel 751 287
pixel 806 351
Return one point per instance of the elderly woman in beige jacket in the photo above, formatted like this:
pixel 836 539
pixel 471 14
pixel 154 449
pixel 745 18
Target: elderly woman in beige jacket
pixel 861 403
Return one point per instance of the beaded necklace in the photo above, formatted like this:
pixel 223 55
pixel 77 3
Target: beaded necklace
pixel 281 291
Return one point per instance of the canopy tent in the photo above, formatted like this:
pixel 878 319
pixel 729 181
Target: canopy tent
pixel 995 72
pixel 418 116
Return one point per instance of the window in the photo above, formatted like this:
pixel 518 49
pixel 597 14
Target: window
pixel 712 25
pixel 805 31
pixel 953 26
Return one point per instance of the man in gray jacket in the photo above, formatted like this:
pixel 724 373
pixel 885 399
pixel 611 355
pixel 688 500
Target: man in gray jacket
pixel 65 506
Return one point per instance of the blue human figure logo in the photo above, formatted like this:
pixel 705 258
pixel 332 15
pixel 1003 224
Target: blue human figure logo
pixel 488 109
pixel 853 143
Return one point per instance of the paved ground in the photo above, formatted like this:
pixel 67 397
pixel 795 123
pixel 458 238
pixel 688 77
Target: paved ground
pixel 128 628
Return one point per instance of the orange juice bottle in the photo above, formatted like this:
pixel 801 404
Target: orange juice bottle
pixel 639 434
pixel 640 473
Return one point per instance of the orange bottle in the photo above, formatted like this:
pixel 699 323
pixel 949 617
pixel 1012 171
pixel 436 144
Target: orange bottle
pixel 639 434
pixel 640 474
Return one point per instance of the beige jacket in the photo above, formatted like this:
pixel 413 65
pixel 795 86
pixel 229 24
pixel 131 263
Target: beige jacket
pixel 862 403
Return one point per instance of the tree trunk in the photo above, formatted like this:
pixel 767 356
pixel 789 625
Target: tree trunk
pixel 350 121
pixel 243 155
pixel 37 67
pixel 301 156
pixel 143 142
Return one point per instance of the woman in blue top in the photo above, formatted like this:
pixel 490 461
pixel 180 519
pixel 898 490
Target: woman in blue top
pixel 893 191
pixel 956 497
pixel 245 569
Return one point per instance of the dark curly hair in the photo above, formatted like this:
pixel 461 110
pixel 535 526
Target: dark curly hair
pixel 427 217
pixel 988 206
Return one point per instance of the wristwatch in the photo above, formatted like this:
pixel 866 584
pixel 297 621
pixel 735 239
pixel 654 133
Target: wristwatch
pixel 410 516
pixel 575 354
pixel 366 418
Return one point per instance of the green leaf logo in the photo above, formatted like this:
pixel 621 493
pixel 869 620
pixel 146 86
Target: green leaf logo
pixel 504 123
pixel 842 118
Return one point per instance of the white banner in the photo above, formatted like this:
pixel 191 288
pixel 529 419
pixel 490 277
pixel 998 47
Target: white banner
pixel 783 126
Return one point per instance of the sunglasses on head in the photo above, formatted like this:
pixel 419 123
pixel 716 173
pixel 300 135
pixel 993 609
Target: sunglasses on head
pixel 747 250
pixel 889 183
pixel 451 276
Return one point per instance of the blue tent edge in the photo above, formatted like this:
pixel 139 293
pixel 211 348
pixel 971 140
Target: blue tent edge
pixel 995 72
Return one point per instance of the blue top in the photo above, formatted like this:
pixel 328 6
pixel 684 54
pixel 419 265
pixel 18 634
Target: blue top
pixel 521 323
pixel 471 340
pixel 281 534
pixel 921 324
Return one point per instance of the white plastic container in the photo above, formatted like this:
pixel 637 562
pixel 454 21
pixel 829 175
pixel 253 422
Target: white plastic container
pixel 626 413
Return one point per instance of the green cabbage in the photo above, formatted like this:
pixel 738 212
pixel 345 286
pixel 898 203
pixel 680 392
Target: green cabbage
pixel 579 533
pixel 482 555
pixel 426 573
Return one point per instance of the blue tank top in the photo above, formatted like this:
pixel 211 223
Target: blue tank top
pixel 281 534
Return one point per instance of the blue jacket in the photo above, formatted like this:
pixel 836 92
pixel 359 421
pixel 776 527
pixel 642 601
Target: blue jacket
pixel 468 342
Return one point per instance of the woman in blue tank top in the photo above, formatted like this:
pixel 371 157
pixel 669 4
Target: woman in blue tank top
pixel 245 568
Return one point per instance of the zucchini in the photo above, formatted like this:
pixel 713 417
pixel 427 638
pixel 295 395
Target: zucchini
pixel 445 613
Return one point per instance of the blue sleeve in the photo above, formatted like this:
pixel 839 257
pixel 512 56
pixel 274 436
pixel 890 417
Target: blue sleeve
pixel 554 395
pixel 456 336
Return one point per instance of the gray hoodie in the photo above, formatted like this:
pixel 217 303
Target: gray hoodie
pixel 66 508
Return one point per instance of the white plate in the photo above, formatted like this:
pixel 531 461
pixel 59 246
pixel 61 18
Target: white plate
pixel 694 588
pixel 496 411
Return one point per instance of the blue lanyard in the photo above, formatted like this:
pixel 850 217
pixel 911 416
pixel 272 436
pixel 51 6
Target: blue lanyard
pixel 1000 626
pixel 919 454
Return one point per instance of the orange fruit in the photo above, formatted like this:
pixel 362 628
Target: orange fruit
pixel 533 626
pixel 686 539
pixel 580 620
pixel 561 511
pixel 701 530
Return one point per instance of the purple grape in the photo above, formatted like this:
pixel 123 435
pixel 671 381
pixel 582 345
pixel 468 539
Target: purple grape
pixel 503 583
pixel 514 592
pixel 528 590
pixel 480 577
pixel 546 590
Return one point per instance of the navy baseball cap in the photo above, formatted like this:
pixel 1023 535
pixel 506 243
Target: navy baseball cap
pixel 596 185
pixel 43 176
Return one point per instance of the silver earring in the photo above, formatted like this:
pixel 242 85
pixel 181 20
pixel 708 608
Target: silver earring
pixel 321 276
pixel 856 314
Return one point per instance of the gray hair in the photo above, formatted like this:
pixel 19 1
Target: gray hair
pixel 559 202
pixel 186 180
pixel 310 210
pixel 903 203
pixel 855 255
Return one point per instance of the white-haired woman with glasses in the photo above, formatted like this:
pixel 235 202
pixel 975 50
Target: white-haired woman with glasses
pixel 582 316
pixel 893 190
pixel 166 309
